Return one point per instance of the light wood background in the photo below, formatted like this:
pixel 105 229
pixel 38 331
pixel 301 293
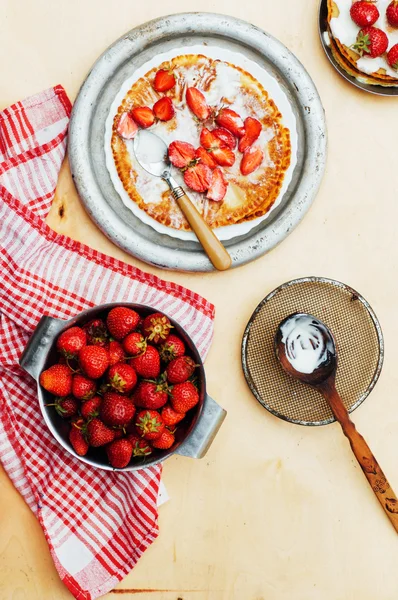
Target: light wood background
pixel 275 511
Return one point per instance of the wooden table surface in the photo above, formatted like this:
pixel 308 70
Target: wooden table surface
pixel 275 511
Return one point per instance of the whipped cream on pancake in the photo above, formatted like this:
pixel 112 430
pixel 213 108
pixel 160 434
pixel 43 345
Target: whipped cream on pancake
pixel 224 88
pixel 345 30
pixel 307 342
pixel 224 85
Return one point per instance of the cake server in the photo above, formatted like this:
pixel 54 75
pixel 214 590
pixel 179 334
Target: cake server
pixel 151 153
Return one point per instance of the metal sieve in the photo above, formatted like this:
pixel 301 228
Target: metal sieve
pixel 359 341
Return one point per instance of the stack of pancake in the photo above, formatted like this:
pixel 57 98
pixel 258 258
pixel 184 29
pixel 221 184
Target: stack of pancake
pixel 346 57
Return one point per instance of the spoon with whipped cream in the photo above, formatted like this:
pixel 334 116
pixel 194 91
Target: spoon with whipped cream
pixel 306 349
pixel 151 152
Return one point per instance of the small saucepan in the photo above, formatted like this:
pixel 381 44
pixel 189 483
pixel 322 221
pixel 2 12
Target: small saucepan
pixel 193 437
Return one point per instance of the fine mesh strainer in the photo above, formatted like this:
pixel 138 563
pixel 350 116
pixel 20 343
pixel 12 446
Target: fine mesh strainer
pixel 358 338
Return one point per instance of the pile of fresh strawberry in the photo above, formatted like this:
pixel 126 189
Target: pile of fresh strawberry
pixel 200 166
pixel 124 383
pixel 373 41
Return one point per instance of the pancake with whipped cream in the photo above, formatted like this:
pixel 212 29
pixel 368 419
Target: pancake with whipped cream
pixel 343 32
pixel 223 85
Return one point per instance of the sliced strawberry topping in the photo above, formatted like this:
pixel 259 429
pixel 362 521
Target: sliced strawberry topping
pixel 205 157
pixel 208 139
pixel 164 81
pixel 181 154
pixel 197 103
pixel 251 160
pixel 164 109
pixel 198 177
pixel 143 116
pixel 252 132
pixel 229 119
pixel 221 153
pixel 218 186
pixel 127 127
pixel 225 136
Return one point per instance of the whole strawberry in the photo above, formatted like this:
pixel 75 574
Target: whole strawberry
pixel 151 395
pixel 65 407
pixel 371 41
pixel 134 344
pixel 147 365
pixel 184 396
pixel 98 434
pixel 364 13
pixel 121 321
pixel 83 388
pixel 392 13
pixel 392 57
pixel 180 369
pixel 116 410
pixel 57 380
pixel 122 378
pixel 115 352
pixel 96 332
pixel 149 424
pixel 170 416
pixel 173 347
pixel 77 439
pixel 71 341
pixel 119 453
pixel 140 446
pixel 165 441
pixel 90 408
pixel 156 327
pixel 94 361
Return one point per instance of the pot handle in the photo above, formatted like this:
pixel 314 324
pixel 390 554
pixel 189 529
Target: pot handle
pixel 201 438
pixel 35 353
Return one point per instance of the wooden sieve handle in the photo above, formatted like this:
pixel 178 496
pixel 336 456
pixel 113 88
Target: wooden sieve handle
pixel 368 463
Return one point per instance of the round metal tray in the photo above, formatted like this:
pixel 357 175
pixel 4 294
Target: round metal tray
pixel 119 61
pixel 378 90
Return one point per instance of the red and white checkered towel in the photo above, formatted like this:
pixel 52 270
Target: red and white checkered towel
pixel 97 523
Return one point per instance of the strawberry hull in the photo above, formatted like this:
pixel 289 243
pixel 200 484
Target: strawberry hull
pixel 194 434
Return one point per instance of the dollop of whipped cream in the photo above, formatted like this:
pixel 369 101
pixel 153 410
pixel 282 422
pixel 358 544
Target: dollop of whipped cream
pixel 307 341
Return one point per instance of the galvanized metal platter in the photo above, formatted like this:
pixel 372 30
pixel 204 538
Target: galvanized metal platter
pixel 323 27
pixel 118 63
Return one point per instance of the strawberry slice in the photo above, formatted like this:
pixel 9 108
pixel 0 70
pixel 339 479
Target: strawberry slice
pixel 229 119
pixel 225 136
pixel 252 132
pixel 164 109
pixel 181 154
pixel 127 127
pixel 251 160
pixel 205 157
pixel 218 186
pixel 221 153
pixel 198 177
pixel 143 116
pixel 197 103
pixel 164 81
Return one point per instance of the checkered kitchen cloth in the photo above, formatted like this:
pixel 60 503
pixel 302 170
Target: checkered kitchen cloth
pixel 97 524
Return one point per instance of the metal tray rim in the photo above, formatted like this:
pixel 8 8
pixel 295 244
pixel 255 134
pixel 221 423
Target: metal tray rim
pixel 302 87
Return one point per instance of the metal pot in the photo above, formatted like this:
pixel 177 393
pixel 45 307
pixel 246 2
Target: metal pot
pixel 193 438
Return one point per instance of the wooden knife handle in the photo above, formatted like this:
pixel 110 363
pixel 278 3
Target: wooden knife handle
pixel 368 463
pixel 211 244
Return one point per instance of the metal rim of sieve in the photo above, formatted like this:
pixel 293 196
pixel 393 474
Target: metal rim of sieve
pixel 322 280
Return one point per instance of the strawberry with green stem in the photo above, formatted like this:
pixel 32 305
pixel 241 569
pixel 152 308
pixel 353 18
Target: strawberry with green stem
pixel 149 424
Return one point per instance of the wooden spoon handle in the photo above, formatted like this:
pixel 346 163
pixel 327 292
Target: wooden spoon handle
pixel 211 244
pixel 369 465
